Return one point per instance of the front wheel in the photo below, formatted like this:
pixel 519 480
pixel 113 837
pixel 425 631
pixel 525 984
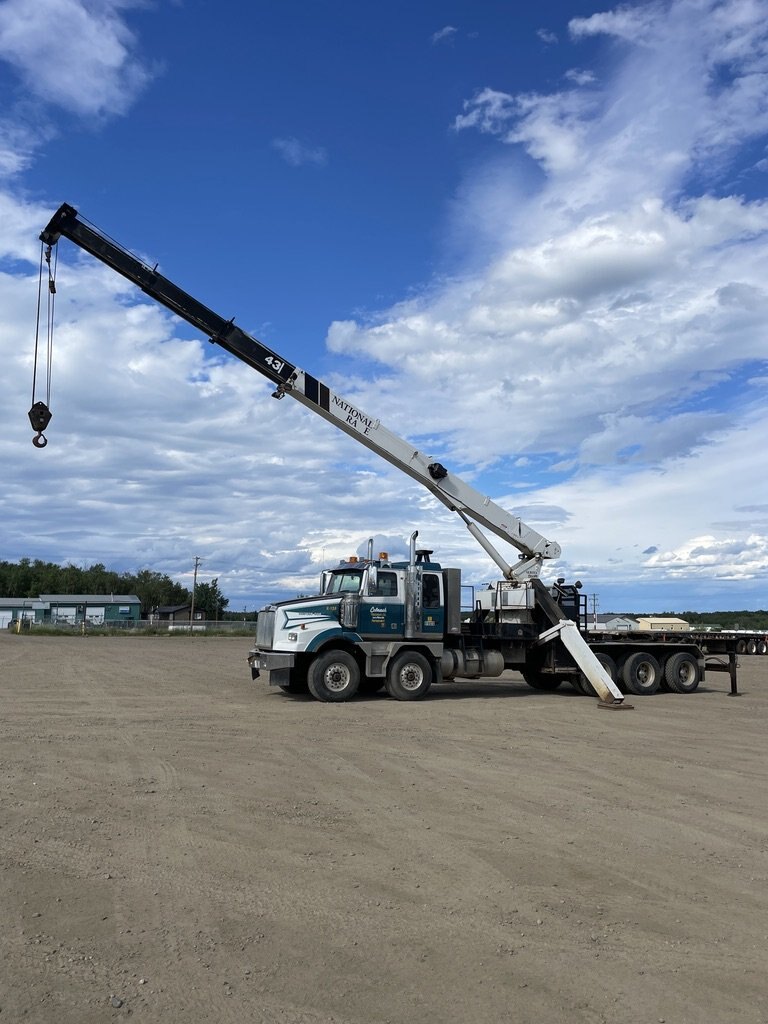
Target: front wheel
pixel 333 676
pixel 409 676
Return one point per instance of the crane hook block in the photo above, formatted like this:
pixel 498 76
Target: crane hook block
pixel 40 417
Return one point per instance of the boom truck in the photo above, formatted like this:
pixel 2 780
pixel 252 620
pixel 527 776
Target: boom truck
pixel 399 624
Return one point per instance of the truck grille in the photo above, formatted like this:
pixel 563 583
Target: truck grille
pixel 265 629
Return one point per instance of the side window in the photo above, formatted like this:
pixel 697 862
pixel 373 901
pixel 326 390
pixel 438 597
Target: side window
pixel 430 591
pixel 386 584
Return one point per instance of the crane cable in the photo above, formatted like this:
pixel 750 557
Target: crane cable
pixel 40 414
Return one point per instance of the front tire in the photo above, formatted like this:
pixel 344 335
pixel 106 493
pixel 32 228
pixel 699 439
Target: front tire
pixel 409 676
pixel 333 676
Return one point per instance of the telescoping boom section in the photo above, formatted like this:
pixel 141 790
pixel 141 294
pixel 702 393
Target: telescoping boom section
pixel 288 379
pixel 511 643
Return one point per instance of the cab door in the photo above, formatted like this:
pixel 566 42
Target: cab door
pixel 382 613
pixel 432 604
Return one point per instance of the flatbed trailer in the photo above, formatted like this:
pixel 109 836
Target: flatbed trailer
pixel 716 642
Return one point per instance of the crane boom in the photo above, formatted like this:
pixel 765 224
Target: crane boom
pixel 471 506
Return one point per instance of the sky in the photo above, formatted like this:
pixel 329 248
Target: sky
pixel 532 242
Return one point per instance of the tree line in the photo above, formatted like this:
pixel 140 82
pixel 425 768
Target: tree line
pixel 30 578
pixel 755 621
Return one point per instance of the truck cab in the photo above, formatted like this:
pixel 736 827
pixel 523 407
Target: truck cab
pixel 372 609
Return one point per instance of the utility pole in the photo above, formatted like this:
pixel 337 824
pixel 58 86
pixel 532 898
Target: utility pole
pixel 595 605
pixel 194 584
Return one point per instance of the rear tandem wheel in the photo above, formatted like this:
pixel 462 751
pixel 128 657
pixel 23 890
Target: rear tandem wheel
pixel 409 676
pixel 681 672
pixel 641 673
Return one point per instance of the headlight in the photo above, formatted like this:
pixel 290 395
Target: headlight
pixel 293 637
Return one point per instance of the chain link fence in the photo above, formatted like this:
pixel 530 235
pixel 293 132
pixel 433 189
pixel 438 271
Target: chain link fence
pixel 140 627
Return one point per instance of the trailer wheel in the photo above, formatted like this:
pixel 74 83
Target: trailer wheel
pixel 541 680
pixel 409 676
pixel 751 646
pixel 681 673
pixel 641 674
pixel 762 647
pixel 333 676
pixel 741 646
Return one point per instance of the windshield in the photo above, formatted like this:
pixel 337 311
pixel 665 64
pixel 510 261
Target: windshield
pixel 344 583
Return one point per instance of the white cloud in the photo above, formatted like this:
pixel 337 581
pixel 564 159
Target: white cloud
pixel 22 223
pixel 691 87
pixel 444 35
pixel 633 24
pixel 79 56
pixel 621 318
pixel 664 524
pixel 18 144
pixel 297 153
pixel 725 558
pixel 552 128
pixel 580 76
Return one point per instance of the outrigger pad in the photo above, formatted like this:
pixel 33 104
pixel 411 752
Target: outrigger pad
pixel 616 706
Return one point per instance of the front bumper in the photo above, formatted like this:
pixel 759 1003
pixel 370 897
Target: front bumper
pixel 272 667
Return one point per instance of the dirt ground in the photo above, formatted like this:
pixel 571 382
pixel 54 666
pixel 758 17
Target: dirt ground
pixel 179 844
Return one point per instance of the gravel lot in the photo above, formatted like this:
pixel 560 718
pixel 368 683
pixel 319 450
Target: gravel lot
pixel 179 844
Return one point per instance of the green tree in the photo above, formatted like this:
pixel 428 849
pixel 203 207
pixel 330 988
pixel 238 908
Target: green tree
pixel 209 600
pixel 155 589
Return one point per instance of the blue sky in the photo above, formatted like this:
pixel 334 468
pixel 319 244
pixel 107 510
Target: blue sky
pixel 534 242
